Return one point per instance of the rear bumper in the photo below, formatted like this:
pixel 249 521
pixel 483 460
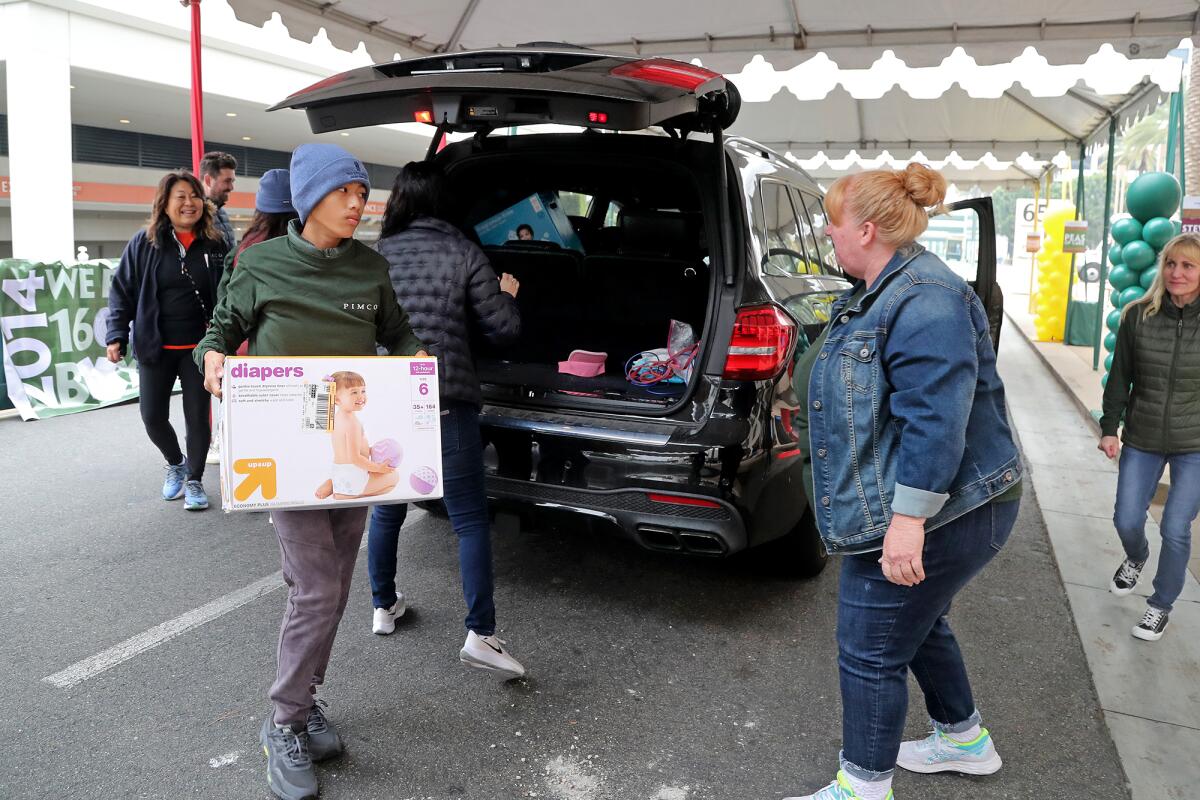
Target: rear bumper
pixel 669 527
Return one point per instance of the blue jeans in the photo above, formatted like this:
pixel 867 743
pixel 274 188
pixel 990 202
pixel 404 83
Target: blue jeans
pixel 884 630
pixel 466 502
pixel 1136 483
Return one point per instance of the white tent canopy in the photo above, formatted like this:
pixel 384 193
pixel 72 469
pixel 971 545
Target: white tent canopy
pixel 822 81
pixel 729 34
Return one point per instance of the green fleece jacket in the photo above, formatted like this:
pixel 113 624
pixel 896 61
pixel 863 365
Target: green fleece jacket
pixel 290 298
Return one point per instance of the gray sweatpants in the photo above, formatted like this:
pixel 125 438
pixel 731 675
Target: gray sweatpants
pixel 318 549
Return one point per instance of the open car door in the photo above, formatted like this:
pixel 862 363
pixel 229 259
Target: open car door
pixel 964 236
pixel 482 90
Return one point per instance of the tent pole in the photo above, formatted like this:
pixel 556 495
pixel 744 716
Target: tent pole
pixel 1037 191
pixel 1071 274
pixel 1108 199
pixel 1172 132
pixel 1179 137
pixel 197 89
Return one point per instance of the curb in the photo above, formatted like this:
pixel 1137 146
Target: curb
pixel 1093 423
pixel 1086 412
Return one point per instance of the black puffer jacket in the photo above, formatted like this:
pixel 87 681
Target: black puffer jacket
pixel 1155 380
pixel 449 290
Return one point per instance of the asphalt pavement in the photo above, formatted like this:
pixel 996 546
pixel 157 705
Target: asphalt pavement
pixel 650 677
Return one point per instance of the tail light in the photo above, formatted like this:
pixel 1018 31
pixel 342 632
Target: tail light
pixel 667 72
pixel 762 339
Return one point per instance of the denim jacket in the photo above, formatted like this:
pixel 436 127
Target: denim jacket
pixel 906 411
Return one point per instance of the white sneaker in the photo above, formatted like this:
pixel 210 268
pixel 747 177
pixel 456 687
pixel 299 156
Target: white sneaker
pixel 214 453
pixel 384 621
pixel 940 753
pixel 487 652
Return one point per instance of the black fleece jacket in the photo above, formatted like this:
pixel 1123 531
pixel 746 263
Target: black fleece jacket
pixel 134 294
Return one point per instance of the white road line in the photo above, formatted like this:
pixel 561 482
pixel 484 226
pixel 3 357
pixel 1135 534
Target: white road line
pixel 90 667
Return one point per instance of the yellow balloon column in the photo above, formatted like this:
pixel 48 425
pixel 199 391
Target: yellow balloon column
pixel 1053 266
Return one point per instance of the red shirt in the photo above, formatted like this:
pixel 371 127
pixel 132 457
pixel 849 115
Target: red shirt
pixel 185 238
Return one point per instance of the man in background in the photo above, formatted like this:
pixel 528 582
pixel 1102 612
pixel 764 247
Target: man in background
pixel 217 175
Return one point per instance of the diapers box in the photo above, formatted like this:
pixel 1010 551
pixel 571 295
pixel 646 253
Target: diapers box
pixel 541 213
pixel 329 432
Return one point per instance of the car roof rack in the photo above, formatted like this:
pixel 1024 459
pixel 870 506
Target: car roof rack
pixel 768 153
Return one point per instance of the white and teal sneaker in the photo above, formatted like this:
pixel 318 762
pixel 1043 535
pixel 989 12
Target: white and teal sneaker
pixel 940 753
pixel 840 789
pixel 194 496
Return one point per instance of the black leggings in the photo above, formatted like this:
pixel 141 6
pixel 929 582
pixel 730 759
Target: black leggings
pixel 156 381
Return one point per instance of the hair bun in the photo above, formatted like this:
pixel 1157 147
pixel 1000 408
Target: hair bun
pixel 924 185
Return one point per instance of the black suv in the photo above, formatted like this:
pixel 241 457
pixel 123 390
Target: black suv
pixel 689 226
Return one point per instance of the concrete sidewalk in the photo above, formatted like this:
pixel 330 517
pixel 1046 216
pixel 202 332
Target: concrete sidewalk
pixel 1072 367
pixel 1149 692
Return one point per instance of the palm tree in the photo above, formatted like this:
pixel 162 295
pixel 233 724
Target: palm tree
pixel 1140 146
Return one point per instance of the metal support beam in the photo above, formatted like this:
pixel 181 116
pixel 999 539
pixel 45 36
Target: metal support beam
pixel 793 16
pixel 1043 117
pixel 456 36
pixel 883 38
pixel 1108 198
pixel 1087 101
pixel 1079 214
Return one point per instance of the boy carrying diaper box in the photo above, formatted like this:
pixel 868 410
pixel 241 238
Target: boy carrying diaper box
pixel 314 292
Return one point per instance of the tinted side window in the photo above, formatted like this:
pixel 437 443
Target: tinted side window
pixel 814 265
pixel 816 212
pixel 782 244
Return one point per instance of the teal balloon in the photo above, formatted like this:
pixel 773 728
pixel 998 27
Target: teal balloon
pixel 1146 277
pixel 1114 320
pixel 1115 297
pixel 1131 294
pixel 1127 230
pixel 1110 342
pixel 1108 362
pixel 1122 278
pixel 1137 255
pixel 1154 194
pixel 1157 232
pixel 1104 380
pixel 1177 225
pixel 1114 254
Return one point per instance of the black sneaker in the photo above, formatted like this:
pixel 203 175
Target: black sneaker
pixel 1126 577
pixel 1152 626
pixel 323 740
pixel 289 766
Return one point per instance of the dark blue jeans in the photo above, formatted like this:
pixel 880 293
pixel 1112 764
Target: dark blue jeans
pixel 884 630
pixel 1137 482
pixel 466 502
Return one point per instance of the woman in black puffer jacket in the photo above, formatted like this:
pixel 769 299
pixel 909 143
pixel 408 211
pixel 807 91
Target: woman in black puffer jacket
pixel 446 285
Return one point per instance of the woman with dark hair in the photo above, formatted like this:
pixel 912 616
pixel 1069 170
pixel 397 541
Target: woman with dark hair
pixel 272 212
pixel 445 283
pixel 166 286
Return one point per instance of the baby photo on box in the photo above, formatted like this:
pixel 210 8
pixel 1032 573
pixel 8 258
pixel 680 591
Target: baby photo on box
pixel 327 432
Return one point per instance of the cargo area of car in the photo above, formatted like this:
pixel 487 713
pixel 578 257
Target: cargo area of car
pixel 639 259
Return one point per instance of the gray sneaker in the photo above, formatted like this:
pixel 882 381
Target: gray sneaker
pixel 323 740
pixel 289 766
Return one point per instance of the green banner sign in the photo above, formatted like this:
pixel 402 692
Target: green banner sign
pixel 53 319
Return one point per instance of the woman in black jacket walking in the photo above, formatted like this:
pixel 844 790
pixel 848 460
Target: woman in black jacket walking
pixel 448 288
pixel 1154 385
pixel 166 286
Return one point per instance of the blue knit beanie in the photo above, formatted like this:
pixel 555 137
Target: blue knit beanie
pixel 318 169
pixel 274 192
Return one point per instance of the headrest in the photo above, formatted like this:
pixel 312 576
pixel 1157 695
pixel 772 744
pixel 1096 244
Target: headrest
pixel 659 233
